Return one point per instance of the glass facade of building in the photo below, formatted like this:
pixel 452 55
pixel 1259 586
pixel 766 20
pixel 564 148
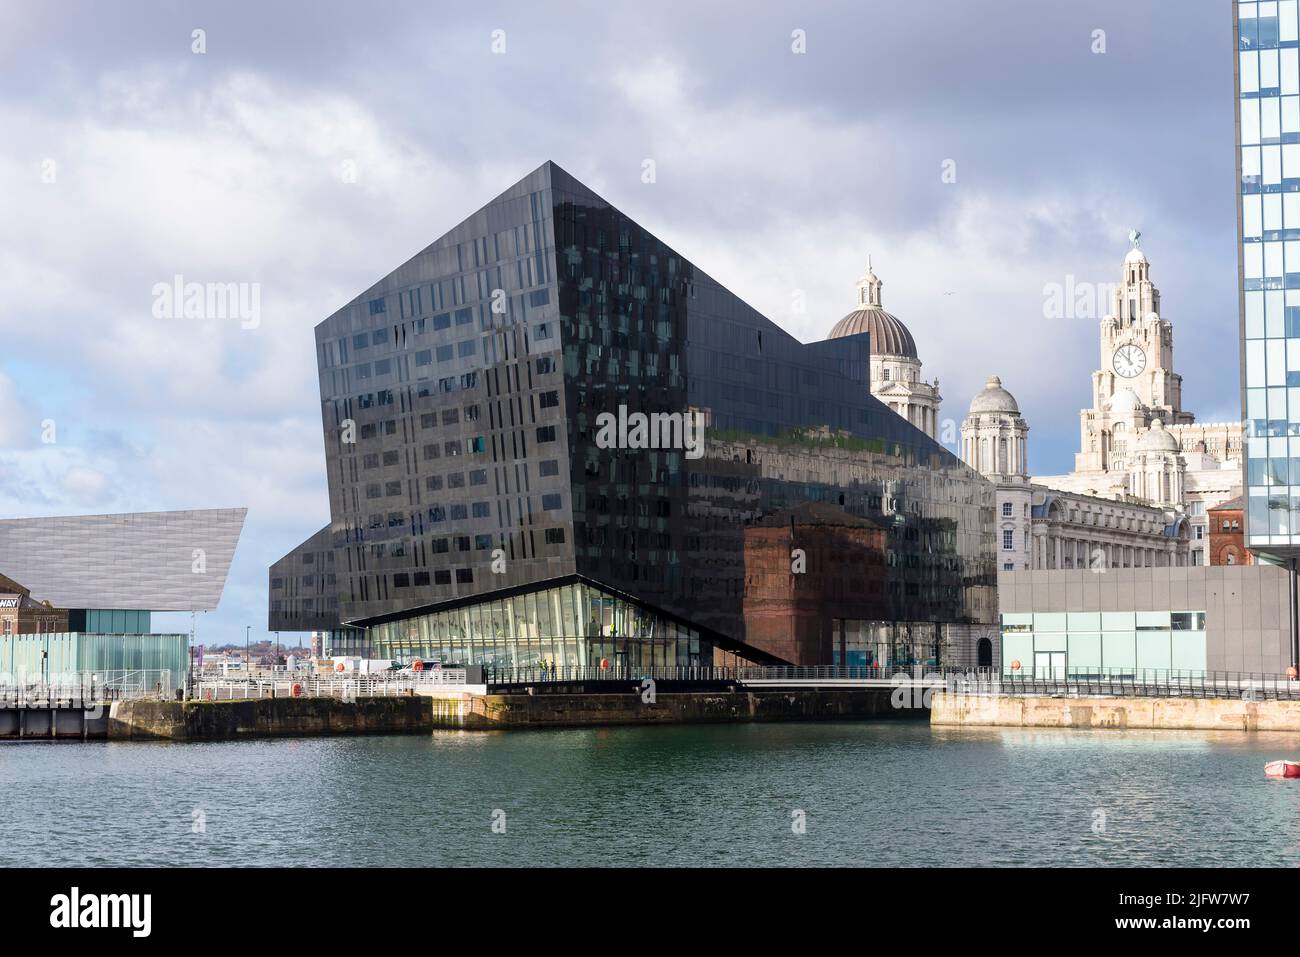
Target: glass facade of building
pixel 304 594
pixel 573 625
pixel 461 403
pixel 156 657
pixel 110 621
pixel 870 644
pixel 1113 644
pixel 1268 155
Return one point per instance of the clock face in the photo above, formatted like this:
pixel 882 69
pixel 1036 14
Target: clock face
pixel 1129 361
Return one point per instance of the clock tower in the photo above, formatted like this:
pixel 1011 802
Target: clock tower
pixel 1137 444
pixel 1136 383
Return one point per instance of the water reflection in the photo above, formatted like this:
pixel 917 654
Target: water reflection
pixel 874 793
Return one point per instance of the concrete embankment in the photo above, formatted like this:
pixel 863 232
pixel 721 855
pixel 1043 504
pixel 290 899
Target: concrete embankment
pixel 66 723
pixel 551 710
pixel 292 717
pixel 266 718
pixel 1175 714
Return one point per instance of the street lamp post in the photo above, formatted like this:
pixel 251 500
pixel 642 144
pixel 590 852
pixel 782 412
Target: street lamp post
pixel 248 655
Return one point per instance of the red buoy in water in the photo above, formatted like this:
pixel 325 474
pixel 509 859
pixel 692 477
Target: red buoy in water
pixel 1282 769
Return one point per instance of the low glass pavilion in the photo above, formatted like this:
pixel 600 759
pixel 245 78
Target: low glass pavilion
pixel 570 625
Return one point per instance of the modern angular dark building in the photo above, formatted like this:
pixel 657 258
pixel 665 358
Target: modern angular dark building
pixel 482 510
pixel 304 595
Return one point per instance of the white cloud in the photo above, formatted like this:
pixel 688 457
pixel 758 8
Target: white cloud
pixel 223 172
pixel 19 424
pixel 86 486
pixel 993 252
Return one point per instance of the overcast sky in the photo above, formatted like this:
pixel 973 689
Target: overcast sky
pixel 127 159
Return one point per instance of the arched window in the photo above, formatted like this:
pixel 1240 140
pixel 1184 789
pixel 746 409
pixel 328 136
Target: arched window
pixel 984 653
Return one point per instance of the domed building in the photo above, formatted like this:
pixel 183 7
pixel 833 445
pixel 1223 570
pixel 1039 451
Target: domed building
pixel 1039 527
pixel 1156 467
pixel 994 436
pixel 895 366
pixel 995 442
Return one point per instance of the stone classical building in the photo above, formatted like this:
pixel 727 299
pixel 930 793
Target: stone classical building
pixel 1136 441
pixel 1043 528
pixel 895 368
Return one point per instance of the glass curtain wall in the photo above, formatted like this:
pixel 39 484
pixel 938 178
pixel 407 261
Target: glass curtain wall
pixel 1268 50
pixel 573 625
pixel 53 654
pixel 885 644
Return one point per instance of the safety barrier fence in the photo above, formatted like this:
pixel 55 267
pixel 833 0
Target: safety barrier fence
pixel 1152 683
pixel 344 686
pixel 985 681
pixel 1116 682
pixel 509 677
pixel 69 689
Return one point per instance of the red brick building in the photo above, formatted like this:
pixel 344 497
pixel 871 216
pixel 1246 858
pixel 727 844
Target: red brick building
pixel 21 614
pixel 1227 537
pixel 805 568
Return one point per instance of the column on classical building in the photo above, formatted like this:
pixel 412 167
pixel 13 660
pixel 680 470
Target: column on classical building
pixel 895 367
pixel 994 433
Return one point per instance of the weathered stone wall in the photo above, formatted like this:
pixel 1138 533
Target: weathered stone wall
pixel 1180 714
pixel 288 717
pixel 520 711
pixel 266 717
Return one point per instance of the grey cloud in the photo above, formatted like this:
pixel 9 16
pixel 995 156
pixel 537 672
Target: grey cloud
pixel 775 171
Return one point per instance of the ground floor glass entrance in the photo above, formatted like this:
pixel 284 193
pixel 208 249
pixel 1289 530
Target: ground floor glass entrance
pixel 575 625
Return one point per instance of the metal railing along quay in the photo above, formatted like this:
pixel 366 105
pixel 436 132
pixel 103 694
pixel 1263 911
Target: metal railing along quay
pixel 789 675
pixel 1119 683
pixel 82 687
pixel 986 681
pixel 1152 683
pixel 345 686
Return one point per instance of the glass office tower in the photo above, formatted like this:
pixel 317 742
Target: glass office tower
pixel 1267 79
pixel 478 509
pixel 1268 156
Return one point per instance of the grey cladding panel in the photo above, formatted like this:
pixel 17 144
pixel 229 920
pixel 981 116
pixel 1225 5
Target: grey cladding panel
pixel 136 560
